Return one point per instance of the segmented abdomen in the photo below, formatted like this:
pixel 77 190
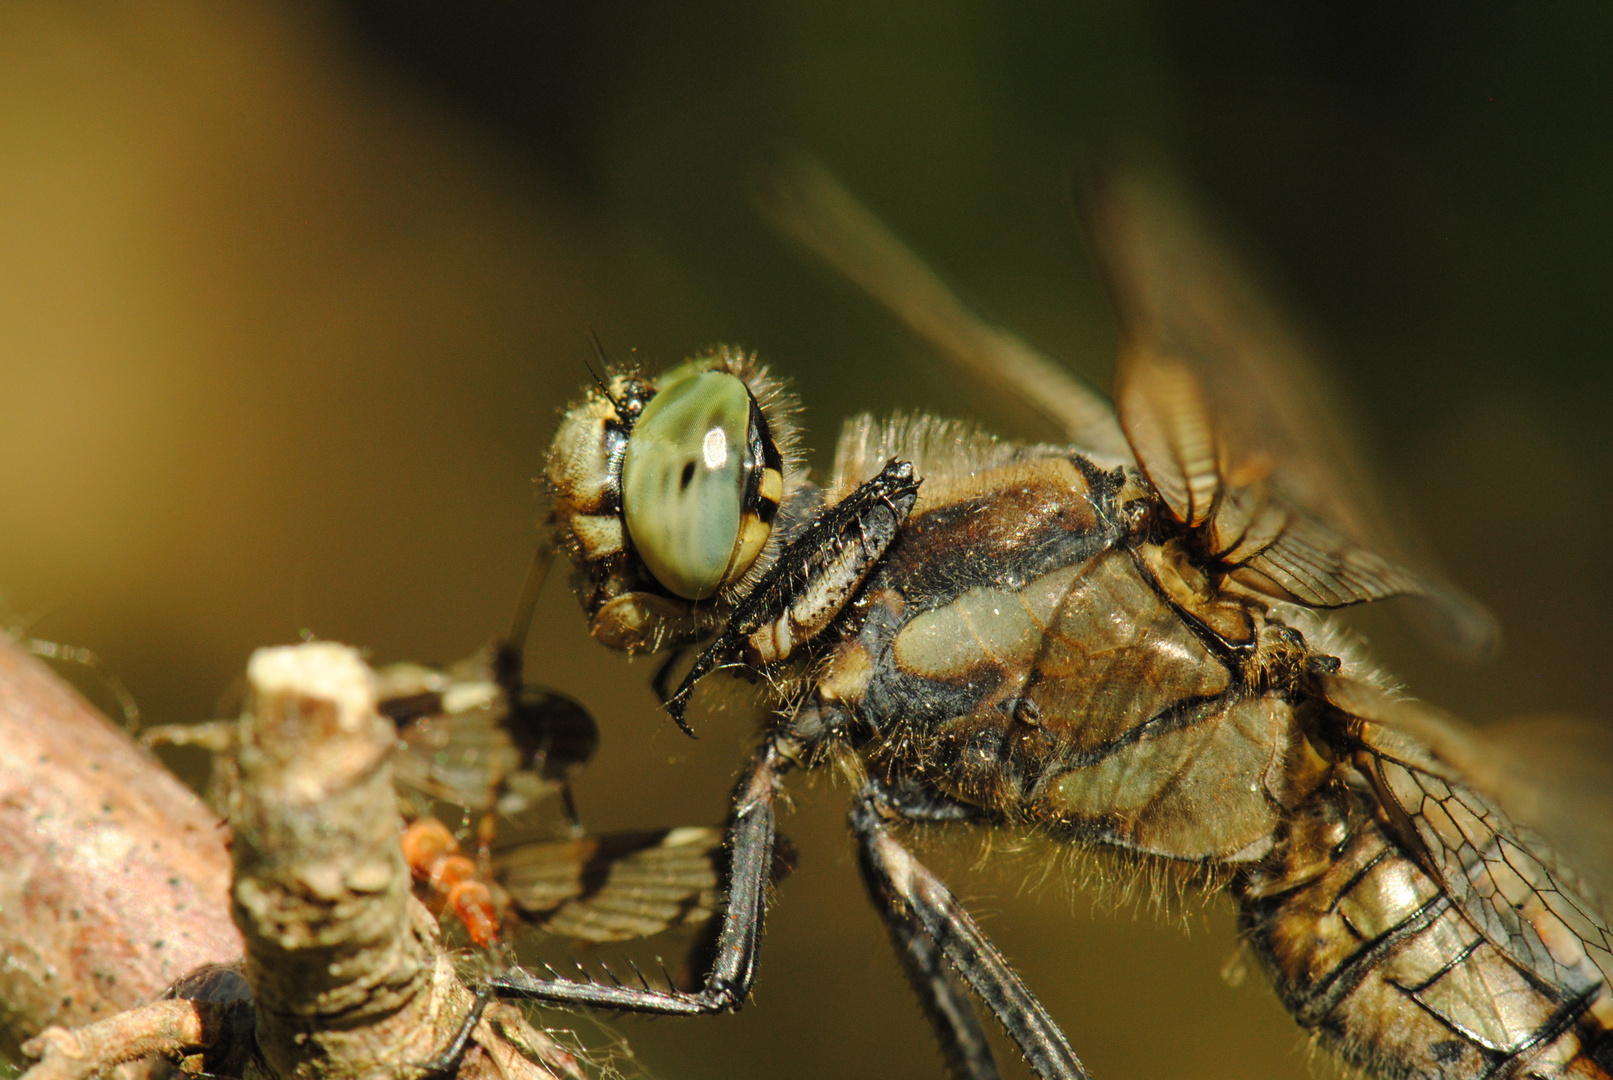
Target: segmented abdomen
pixel 1366 949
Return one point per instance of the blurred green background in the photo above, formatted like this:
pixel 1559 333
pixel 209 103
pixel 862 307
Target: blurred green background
pixel 290 295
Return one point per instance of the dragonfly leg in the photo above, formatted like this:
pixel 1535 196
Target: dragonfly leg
pixel 446 1064
pixel 661 681
pixel 750 837
pixel 945 1001
pixel 911 896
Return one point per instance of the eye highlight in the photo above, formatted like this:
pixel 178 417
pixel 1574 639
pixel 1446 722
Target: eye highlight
pixel 686 479
pixel 715 448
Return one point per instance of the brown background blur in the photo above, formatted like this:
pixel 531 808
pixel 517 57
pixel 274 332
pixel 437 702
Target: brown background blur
pixel 290 296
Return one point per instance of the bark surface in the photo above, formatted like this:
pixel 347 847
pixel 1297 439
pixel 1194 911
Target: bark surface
pixel 115 877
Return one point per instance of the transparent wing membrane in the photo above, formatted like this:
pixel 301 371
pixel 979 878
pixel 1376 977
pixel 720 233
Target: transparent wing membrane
pixel 1234 424
pixel 1463 815
pixel 804 201
pixel 616 886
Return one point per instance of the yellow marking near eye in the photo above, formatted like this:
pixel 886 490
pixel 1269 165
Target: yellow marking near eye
pixel 752 535
pixel 772 486
pixel 598 535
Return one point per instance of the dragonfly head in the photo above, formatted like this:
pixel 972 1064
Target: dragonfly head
pixel 666 491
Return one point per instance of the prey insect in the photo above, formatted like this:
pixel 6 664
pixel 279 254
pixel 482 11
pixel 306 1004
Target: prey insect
pixel 479 744
pixel 479 738
pixel 496 749
pixel 1116 642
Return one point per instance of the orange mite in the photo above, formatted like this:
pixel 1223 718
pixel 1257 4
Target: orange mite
pixel 435 860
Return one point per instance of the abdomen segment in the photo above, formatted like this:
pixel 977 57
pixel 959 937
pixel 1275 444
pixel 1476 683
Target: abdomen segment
pixel 1367 949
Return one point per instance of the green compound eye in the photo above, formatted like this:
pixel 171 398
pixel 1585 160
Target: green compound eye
pixel 684 484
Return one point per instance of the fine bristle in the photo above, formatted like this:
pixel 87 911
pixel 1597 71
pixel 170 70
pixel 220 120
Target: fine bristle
pixel 1330 637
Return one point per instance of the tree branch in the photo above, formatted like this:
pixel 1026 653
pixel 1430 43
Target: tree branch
pixel 116 878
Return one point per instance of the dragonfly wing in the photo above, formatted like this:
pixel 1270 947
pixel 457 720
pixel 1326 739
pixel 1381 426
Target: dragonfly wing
pixel 804 201
pixel 1233 424
pixel 1453 807
pixel 1565 767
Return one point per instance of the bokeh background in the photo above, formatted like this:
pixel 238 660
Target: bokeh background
pixel 290 295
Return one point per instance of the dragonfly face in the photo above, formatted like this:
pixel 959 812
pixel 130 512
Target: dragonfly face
pixel 668 493
pixel 1114 643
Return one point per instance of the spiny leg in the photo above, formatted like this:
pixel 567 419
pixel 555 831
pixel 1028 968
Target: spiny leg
pixel 907 889
pixel 810 582
pixel 661 681
pixel 944 1000
pixel 446 1064
pixel 750 837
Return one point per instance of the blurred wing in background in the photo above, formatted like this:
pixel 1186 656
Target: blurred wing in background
pixel 1234 424
pixel 1219 403
pixel 1560 773
pixel 804 201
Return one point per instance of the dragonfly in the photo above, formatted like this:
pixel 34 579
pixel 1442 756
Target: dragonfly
pixel 1118 642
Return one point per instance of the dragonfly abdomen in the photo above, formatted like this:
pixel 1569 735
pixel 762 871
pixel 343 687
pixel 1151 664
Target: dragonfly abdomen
pixel 1368 950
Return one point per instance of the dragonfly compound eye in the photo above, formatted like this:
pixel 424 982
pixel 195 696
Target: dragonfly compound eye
pixel 698 488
